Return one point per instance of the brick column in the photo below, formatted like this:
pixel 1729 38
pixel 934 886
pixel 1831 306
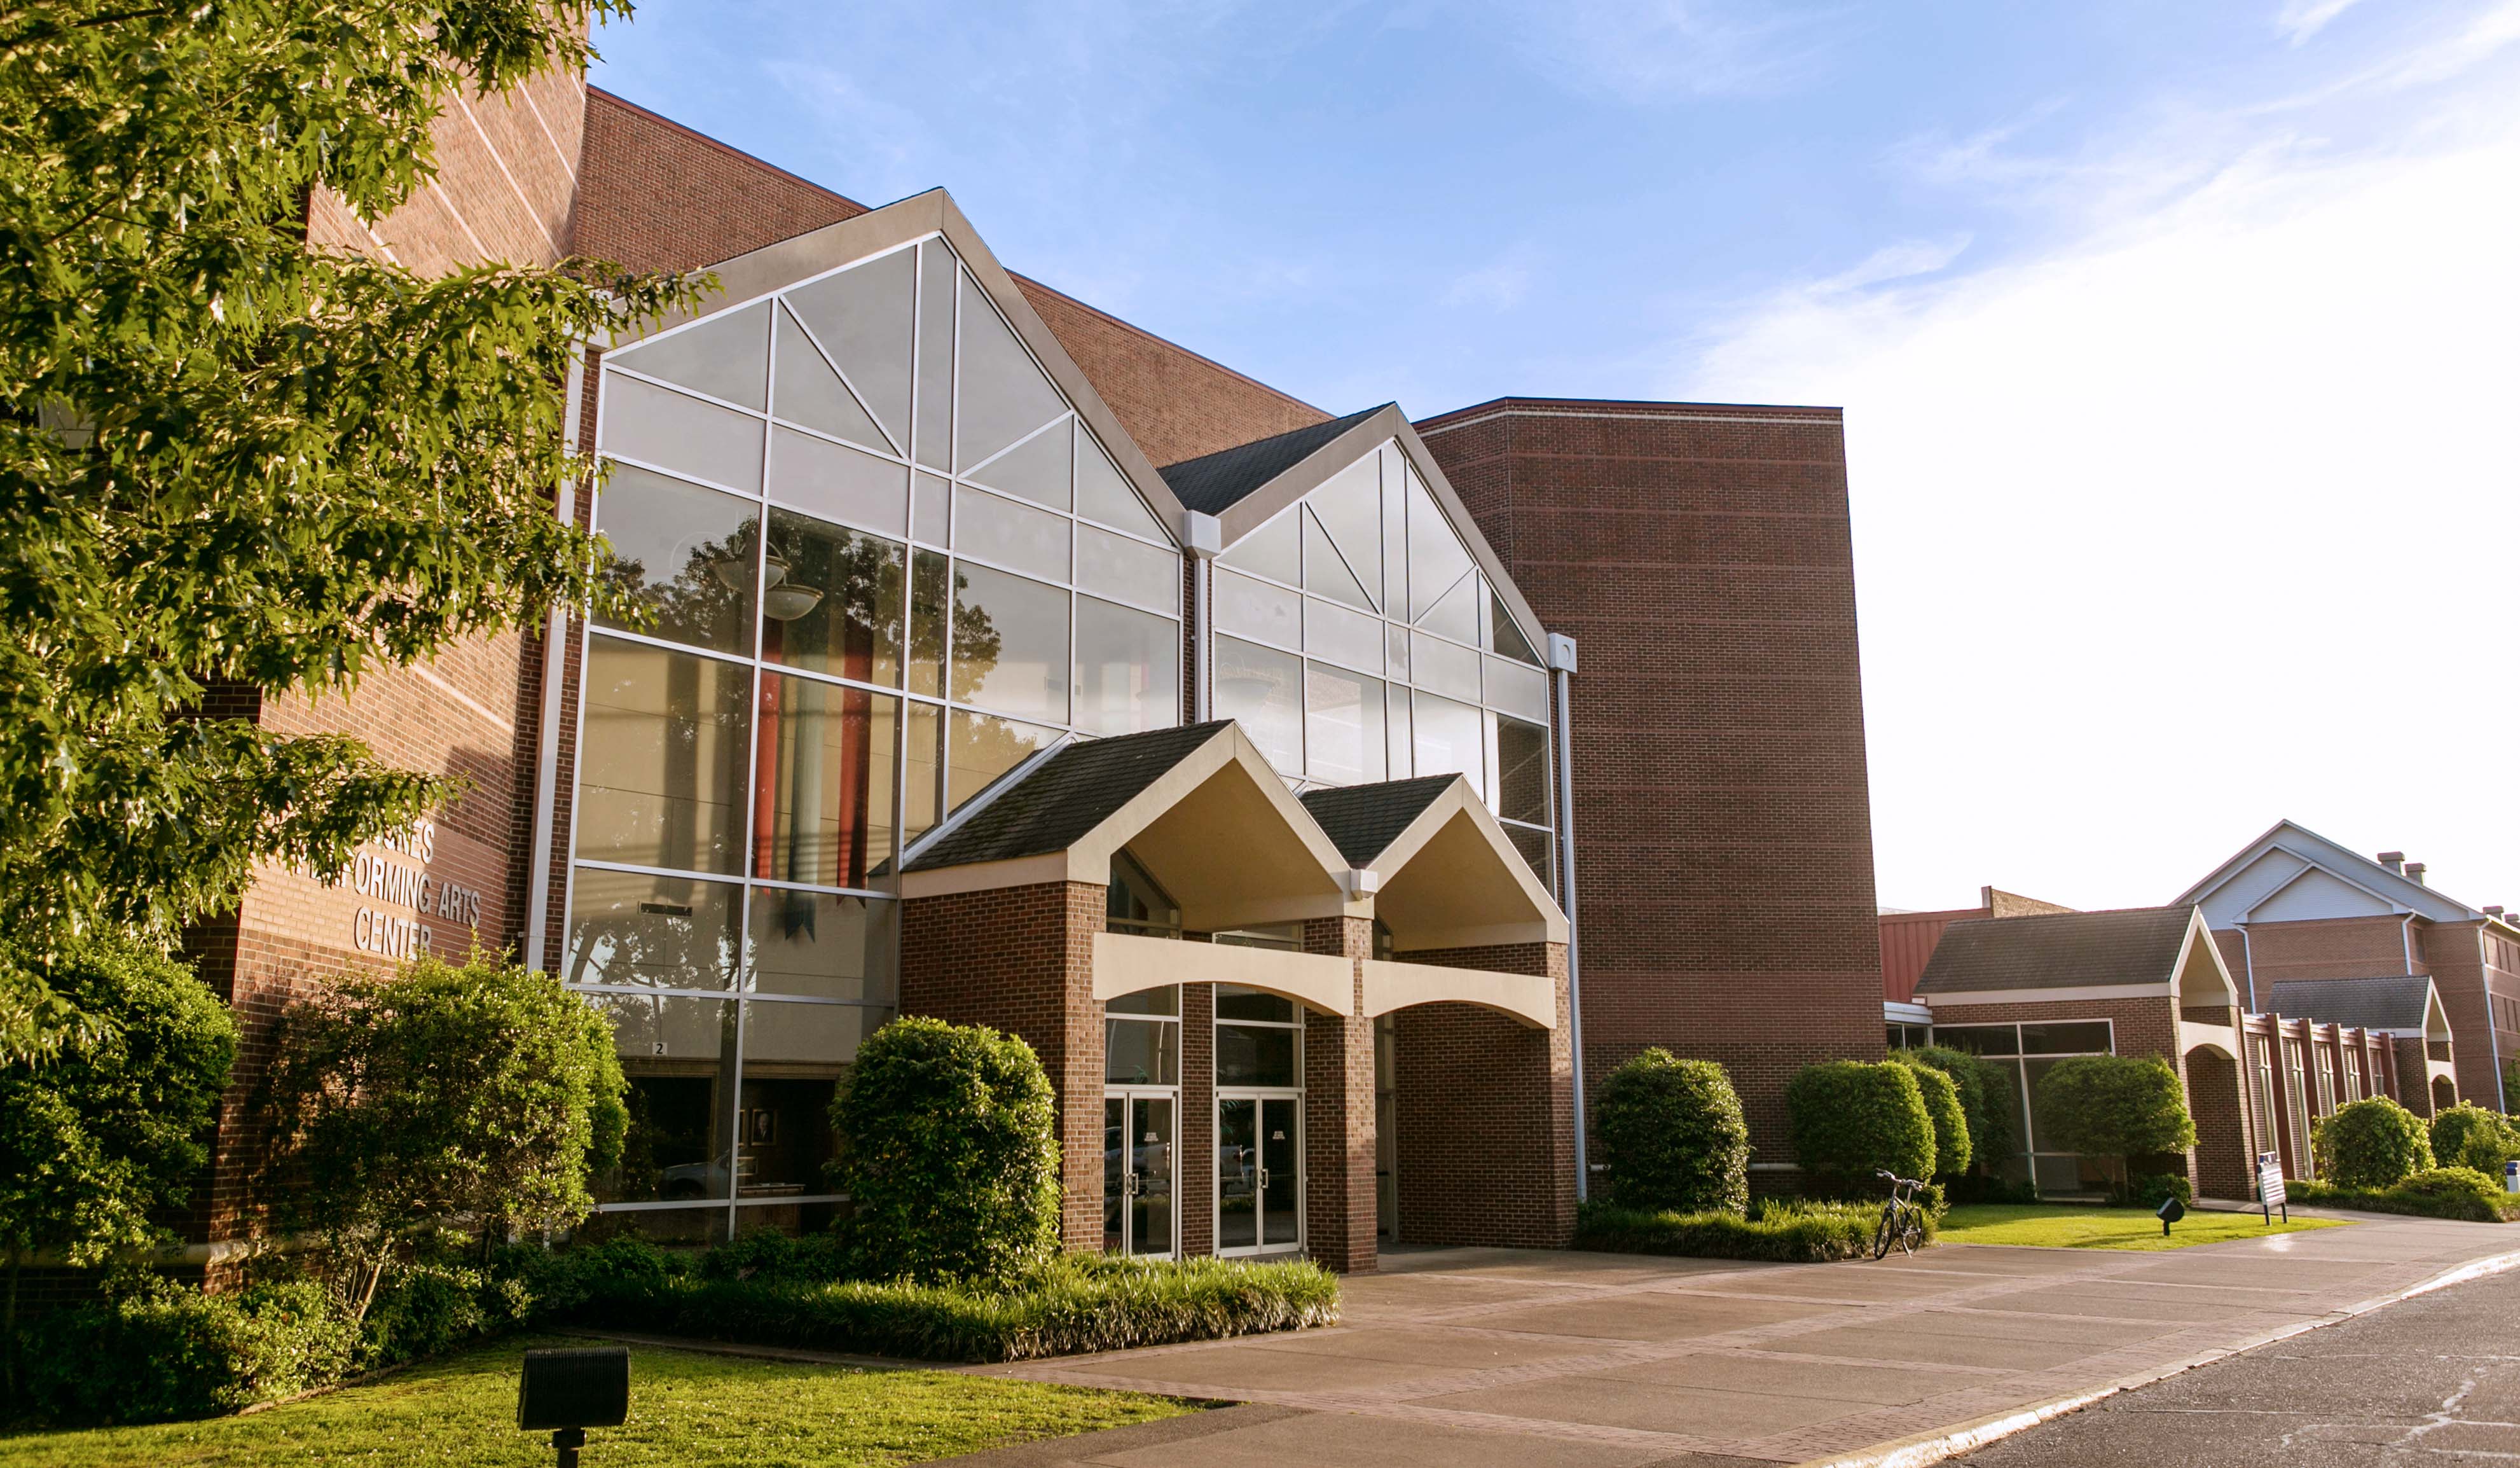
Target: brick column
pixel 1486 1112
pixel 1022 959
pixel 1338 1111
pixel 1194 1163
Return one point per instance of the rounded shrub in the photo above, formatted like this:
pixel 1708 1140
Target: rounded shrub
pixel 2117 1106
pixel 2468 1135
pixel 1988 1095
pixel 1953 1144
pixel 948 1153
pixel 1852 1119
pixel 1673 1135
pixel 2462 1193
pixel 2372 1143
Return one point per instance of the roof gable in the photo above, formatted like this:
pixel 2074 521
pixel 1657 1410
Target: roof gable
pixel 2279 855
pixel 2394 1003
pixel 2126 949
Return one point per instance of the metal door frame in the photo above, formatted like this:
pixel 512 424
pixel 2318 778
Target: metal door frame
pixel 1256 1094
pixel 1128 1096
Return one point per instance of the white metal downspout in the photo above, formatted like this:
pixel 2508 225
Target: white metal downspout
pixel 2248 965
pixel 2493 1036
pixel 1203 535
pixel 555 666
pixel 1561 666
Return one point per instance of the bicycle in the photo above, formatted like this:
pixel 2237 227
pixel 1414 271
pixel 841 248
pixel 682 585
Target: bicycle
pixel 1902 1222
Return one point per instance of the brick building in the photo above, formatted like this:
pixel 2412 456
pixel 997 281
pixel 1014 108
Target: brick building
pixel 1008 663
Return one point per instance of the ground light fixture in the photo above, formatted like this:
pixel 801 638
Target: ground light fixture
pixel 2169 1211
pixel 565 1391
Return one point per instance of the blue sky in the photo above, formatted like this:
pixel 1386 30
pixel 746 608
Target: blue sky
pixel 2175 340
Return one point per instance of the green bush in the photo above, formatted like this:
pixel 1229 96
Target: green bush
pixel 1777 1230
pixel 1673 1135
pixel 2370 1144
pixel 947 1154
pixel 1990 1094
pixel 2150 1188
pixel 2468 1135
pixel 1952 1145
pixel 2119 1106
pixel 156 1352
pixel 2462 1193
pixel 1851 1120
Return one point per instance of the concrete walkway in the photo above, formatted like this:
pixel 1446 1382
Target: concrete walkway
pixel 1454 1359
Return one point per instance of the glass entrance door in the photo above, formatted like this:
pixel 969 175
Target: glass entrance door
pixel 1259 1173
pixel 1138 1196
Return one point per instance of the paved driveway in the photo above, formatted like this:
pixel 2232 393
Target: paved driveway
pixel 1452 1359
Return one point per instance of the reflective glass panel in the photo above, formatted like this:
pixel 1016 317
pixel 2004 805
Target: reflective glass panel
pixel 932 502
pixel 724 356
pixel 1004 395
pixel 861 316
pixel 1534 846
pixel 1263 691
pixel 1518 689
pixel 1012 534
pixel 1276 550
pixel 1445 667
pixel 1128 669
pixel 1253 609
pixel 1350 508
pixel 1456 614
pixel 1979 1039
pixel 810 393
pixel 1324 573
pixel 1010 643
pixel 2088 1038
pixel 679 1058
pixel 821 945
pixel 838 483
pixel 1449 737
pixel 1102 494
pixel 834 600
pixel 1141 1052
pixel 783 1133
pixel 1395 648
pixel 631 927
pixel 1255 1055
pixel 980 749
pixel 1235 1002
pixel 928 609
pixel 1395 535
pixel 1436 557
pixel 688 553
pixel 1343 636
pixel 1155 1001
pixel 1504 636
pixel 1036 469
pixel 1403 761
pixel 1522 771
pixel 922 758
pixel 1128 571
pixel 672 431
pixel 825 771
pixel 662 752
pixel 1344 741
pixel 936 272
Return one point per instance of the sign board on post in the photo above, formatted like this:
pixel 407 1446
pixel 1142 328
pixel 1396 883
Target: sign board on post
pixel 2271 1187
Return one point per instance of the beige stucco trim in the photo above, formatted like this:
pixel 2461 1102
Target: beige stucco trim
pixel 2200 962
pixel 1125 963
pixel 1529 997
pixel 1964 998
pixel 2222 1039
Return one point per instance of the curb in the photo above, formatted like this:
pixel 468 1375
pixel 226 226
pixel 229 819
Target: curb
pixel 1968 1436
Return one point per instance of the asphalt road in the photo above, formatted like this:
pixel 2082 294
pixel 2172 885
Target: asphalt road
pixel 2434 1381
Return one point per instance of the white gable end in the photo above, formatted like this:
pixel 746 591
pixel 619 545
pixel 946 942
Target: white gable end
pixel 2315 894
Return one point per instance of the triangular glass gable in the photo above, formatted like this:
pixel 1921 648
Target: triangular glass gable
pixel 808 391
pixel 1036 469
pixel 1325 573
pixel 1395 533
pixel 1004 394
pixel 1349 505
pixel 727 358
pixel 1436 557
pixel 1505 638
pixel 1274 550
pixel 1456 614
pixel 935 411
pixel 861 316
pixel 1102 494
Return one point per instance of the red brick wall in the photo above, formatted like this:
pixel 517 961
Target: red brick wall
pixel 2328 948
pixel 1022 959
pixel 1196 1164
pixel 2458 962
pixel 507 181
pixel 1484 1104
pixel 1338 1110
pixel 1723 835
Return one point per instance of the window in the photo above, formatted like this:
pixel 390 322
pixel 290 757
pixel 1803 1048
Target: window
pixel 1142 1038
pixel 1259 1038
pixel 2027 1053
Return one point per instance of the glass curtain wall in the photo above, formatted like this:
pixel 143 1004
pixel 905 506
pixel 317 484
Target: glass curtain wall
pixel 878 563
pixel 1355 640
pixel 2027 1053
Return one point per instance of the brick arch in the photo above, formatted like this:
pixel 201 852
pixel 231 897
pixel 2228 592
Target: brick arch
pixel 2444 1094
pixel 2215 1100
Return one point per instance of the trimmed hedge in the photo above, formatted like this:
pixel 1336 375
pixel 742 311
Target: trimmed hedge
pixel 1776 1230
pixel 158 1351
pixel 2371 1145
pixel 2461 1194
pixel 1952 1145
pixel 1988 1096
pixel 1673 1135
pixel 2469 1136
pixel 1850 1118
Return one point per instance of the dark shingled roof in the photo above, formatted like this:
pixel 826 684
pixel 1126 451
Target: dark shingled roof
pixel 2057 950
pixel 1213 484
pixel 2389 1001
pixel 1065 797
pixel 1364 820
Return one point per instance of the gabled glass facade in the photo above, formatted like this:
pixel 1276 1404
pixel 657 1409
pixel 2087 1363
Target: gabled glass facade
pixel 1357 641
pixel 883 562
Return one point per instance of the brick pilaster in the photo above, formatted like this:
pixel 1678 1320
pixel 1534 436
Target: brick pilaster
pixel 1338 1111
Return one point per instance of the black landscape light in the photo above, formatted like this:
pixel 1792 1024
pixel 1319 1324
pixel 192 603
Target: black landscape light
pixel 567 1390
pixel 2169 1211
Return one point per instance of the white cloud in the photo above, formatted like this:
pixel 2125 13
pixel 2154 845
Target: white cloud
pixel 1905 260
pixel 2300 19
pixel 1646 50
pixel 1499 285
pixel 2203 520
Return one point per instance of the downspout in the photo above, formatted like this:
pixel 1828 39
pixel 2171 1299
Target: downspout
pixel 1562 667
pixel 1203 536
pixel 2248 965
pixel 555 663
pixel 2492 1038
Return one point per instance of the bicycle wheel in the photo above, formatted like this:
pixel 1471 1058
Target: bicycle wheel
pixel 1911 1232
pixel 1886 1231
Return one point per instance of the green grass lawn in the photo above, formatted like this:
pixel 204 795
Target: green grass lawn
pixel 686 1408
pixel 2060 1226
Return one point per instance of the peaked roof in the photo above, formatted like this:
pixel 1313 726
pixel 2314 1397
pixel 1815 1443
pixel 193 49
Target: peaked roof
pixel 1213 484
pixel 1064 798
pixel 1364 820
pixel 2059 950
pixel 2387 1001
pixel 2228 893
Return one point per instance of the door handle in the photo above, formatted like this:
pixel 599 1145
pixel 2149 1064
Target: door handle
pixel 1264 1178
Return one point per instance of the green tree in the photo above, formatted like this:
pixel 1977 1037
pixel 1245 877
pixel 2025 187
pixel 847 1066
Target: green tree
pixel 947 1154
pixel 2115 1106
pixel 1989 1094
pixel 1953 1144
pixel 397 1108
pixel 1852 1119
pixel 232 463
pixel 2468 1135
pixel 1673 1135
pixel 2372 1143
pixel 106 1131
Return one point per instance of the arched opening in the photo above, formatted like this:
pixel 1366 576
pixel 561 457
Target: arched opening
pixel 2444 1094
pixel 2213 1099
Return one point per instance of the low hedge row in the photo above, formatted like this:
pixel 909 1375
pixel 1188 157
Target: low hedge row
pixel 2461 1194
pixel 1777 1230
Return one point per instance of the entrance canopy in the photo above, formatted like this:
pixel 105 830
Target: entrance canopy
pixel 1449 875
